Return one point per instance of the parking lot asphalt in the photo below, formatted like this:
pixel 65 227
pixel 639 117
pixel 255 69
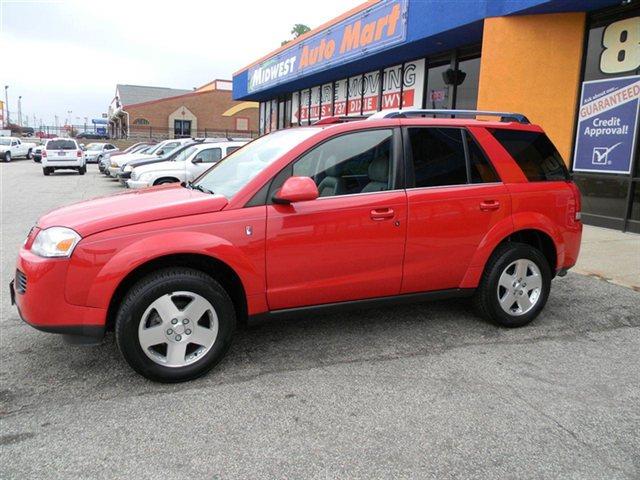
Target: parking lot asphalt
pixel 421 391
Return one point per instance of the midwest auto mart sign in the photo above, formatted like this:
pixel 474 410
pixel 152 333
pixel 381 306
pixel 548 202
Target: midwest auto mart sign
pixel 373 29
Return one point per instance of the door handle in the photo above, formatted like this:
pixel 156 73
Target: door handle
pixel 378 214
pixel 489 205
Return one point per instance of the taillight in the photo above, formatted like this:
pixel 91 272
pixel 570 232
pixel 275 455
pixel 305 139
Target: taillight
pixel 575 207
pixel 79 153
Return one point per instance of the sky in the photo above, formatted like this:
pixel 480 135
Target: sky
pixel 68 55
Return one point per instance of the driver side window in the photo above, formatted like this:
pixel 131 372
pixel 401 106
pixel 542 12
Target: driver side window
pixel 210 155
pixel 359 162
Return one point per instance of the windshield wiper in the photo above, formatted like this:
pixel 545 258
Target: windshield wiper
pixel 200 188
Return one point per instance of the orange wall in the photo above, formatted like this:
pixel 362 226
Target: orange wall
pixel 531 65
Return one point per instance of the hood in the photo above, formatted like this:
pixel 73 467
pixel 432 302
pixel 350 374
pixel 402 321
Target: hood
pixel 122 159
pixel 159 166
pixel 147 161
pixel 131 207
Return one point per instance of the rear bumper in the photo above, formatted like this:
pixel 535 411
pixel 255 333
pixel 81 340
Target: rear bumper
pixel 63 163
pixel 41 302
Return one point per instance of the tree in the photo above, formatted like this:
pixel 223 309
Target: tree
pixel 297 30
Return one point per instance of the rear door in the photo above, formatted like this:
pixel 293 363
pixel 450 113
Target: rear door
pixel 454 198
pixel 347 244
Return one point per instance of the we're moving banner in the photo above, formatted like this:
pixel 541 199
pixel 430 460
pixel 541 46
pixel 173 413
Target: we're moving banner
pixel 370 30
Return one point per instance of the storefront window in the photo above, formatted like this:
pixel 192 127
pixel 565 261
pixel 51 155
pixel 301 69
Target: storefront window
pixel 438 90
pixel 467 92
pixel 612 55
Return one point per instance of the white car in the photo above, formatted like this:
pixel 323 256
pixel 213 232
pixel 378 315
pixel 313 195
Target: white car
pixel 188 165
pixel 96 151
pixel 158 150
pixel 63 154
pixel 13 147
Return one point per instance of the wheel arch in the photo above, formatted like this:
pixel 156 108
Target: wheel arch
pixel 166 177
pixel 537 231
pixel 211 266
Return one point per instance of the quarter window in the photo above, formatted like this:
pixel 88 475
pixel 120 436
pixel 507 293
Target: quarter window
pixel 358 162
pixel 534 153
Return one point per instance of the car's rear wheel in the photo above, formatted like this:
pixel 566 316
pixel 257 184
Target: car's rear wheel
pixel 82 170
pixel 47 171
pixel 7 156
pixel 515 285
pixel 175 325
pixel 29 154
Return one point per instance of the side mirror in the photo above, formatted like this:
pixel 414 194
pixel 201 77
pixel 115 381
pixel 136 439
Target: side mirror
pixel 296 189
pixel 160 153
pixel 197 160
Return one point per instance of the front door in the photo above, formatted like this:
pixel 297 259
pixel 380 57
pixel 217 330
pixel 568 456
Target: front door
pixel 182 128
pixel 348 244
pixel 455 197
pixel 202 161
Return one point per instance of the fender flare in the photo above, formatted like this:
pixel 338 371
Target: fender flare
pixel 161 245
pixel 503 229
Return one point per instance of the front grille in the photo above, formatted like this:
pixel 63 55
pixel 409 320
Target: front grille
pixel 21 282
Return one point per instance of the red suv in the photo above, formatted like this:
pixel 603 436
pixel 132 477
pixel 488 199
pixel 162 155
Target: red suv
pixel 397 207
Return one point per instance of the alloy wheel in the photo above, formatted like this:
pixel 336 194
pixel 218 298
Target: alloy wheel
pixel 178 329
pixel 519 287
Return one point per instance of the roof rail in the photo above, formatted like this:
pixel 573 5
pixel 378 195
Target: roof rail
pixel 339 119
pixel 406 113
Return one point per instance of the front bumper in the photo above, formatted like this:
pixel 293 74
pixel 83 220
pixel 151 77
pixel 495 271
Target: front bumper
pixel 40 299
pixel 135 184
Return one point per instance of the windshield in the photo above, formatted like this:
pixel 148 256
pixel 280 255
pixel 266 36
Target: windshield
pixel 94 146
pixel 184 154
pixel 5 141
pixel 242 166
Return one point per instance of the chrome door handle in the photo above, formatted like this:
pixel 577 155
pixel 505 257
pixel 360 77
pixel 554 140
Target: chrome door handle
pixel 489 205
pixel 378 214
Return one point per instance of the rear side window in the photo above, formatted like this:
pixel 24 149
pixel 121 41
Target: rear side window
pixel 61 145
pixel 534 153
pixel 440 158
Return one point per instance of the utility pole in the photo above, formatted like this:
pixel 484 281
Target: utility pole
pixel 20 110
pixel 6 102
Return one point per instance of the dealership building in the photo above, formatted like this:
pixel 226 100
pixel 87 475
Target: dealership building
pixel 571 66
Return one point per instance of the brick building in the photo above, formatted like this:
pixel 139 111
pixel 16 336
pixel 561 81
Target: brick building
pixel 154 112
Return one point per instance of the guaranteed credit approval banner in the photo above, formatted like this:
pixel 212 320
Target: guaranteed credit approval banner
pixel 607 125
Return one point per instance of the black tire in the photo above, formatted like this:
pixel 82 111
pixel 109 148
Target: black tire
pixel 29 154
pixel 82 170
pixel 7 157
pixel 152 287
pixel 47 171
pixel 98 160
pixel 486 301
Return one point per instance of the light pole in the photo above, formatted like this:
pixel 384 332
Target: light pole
pixel 20 110
pixel 6 102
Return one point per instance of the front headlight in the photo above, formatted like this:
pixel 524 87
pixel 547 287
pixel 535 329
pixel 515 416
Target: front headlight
pixel 55 242
pixel 114 164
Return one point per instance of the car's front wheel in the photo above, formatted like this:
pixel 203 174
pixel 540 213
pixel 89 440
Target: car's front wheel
pixel 7 156
pixel 175 325
pixel 515 285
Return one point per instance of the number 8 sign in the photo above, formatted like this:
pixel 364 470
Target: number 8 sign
pixel 621 46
